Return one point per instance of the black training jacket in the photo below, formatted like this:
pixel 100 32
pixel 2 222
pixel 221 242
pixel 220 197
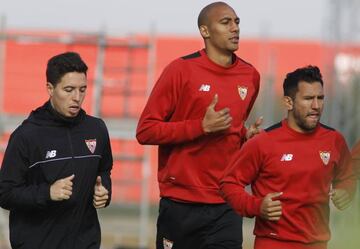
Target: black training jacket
pixel 44 148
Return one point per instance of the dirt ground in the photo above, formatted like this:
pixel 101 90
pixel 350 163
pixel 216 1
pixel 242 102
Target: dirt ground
pixel 121 227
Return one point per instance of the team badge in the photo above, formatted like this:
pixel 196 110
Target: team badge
pixel 91 144
pixel 325 156
pixel 242 92
pixel 168 244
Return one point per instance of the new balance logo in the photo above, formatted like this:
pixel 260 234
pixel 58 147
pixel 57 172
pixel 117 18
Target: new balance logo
pixel 286 157
pixel 204 88
pixel 50 154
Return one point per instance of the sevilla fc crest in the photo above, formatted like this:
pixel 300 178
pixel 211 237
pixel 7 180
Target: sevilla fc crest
pixel 242 92
pixel 91 144
pixel 325 156
pixel 168 244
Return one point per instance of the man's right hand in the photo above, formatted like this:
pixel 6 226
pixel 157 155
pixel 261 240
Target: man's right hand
pixel 271 210
pixel 62 189
pixel 215 121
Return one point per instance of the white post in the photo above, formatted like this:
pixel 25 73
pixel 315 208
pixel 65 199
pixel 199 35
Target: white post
pixel 2 71
pixel 146 166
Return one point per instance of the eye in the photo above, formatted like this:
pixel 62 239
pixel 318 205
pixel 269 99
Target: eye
pixel 68 89
pixel 83 89
pixel 225 20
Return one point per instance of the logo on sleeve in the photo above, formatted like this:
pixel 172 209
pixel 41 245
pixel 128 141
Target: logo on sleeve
pixel 91 144
pixel 242 91
pixel 204 88
pixel 50 154
pixel 325 156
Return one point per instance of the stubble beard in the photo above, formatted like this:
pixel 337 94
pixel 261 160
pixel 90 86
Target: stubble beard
pixel 302 123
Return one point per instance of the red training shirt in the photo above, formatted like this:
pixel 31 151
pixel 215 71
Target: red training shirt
pixel 191 163
pixel 303 167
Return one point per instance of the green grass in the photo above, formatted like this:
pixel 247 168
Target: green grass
pixel 345 227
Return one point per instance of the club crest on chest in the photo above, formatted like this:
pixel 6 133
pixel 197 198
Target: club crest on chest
pixel 91 144
pixel 168 244
pixel 242 91
pixel 325 156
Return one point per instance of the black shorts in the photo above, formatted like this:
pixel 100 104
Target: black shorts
pixel 197 226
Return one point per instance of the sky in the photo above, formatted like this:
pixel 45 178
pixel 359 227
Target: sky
pixel 305 19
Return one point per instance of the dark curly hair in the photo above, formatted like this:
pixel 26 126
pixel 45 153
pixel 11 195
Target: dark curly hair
pixel 308 74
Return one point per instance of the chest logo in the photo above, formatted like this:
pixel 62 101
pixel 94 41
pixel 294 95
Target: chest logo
pixel 91 144
pixel 50 154
pixel 286 157
pixel 242 91
pixel 325 156
pixel 204 88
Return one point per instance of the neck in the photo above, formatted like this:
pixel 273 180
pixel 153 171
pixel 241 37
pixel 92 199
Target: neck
pixel 57 113
pixel 220 58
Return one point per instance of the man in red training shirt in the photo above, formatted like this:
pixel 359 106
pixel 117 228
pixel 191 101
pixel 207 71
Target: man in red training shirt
pixel 294 167
pixel 196 114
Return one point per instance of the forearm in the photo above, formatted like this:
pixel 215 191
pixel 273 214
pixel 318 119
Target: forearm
pixel 156 132
pixel 242 202
pixel 345 174
pixel 24 197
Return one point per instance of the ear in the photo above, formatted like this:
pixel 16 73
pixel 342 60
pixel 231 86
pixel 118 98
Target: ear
pixel 288 102
pixel 50 88
pixel 204 31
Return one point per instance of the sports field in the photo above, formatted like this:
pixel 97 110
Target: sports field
pixel 120 228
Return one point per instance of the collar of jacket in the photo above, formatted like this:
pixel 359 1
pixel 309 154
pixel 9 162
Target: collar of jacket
pixel 46 115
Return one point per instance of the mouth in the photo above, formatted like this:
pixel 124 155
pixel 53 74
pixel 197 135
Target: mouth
pixel 234 39
pixel 74 109
pixel 314 116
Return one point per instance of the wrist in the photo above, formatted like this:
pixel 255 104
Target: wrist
pixel 205 129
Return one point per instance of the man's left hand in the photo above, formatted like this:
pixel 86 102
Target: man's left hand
pixel 254 128
pixel 101 194
pixel 341 198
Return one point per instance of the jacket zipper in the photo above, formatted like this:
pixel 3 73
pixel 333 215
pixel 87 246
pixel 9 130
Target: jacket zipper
pixel 72 165
pixel 71 148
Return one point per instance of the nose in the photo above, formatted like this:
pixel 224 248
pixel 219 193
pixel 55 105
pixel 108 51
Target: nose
pixel 315 104
pixel 76 95
pixel 235 27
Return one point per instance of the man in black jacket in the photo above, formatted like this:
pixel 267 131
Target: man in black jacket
pixel 56 168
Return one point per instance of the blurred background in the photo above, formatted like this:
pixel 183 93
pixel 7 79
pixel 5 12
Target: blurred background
pixel 126 45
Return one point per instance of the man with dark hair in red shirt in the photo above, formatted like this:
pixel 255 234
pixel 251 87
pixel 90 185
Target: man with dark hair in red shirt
pixel 196 114
pixel 294 167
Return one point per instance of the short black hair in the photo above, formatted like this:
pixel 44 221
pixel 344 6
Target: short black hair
pixel 308 74
pixel 203 15
pixel 64 63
